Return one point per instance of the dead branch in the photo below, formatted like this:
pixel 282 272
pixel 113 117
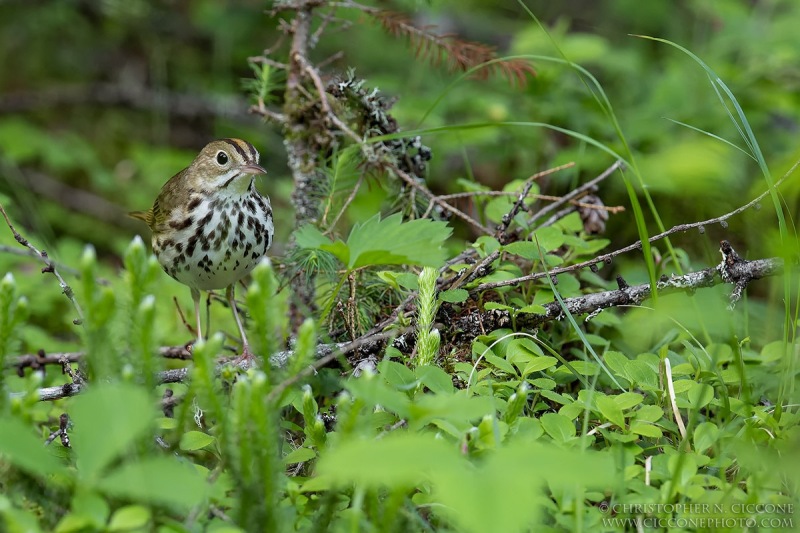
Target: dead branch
pixel 732 270
pixel 50 266
pixel 606 258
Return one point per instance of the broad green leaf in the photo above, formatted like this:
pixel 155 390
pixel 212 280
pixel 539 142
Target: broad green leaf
pixel 414 458
pixel 559 427
pixel 549 238
pixel 700 395
pixel 616 361
pixel 492 306
pixel 525 249
pixel 584 368
pixel 73 523
pixel 626 400
pixel 454 296
pixel 649 413
pixel 683 385
pixel 397 375
pixel 523 346
pixel 500 363
pixel 374 391
pixel 299 455
pixel 393 242
pixel 435 379
pixel 533 309
pixel 503 492
pixel 108 418
pixel 539 364
pixel 195 440
pixel 456 408
pixel 157 480
pixel 642 374
pixel 608 408
pixel 309 236
pixel 645 429
pixel 19 447
pixel 91 506
pixel 129 518
pixel 705 435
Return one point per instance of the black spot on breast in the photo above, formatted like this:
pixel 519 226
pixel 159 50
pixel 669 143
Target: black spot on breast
pixel 240 219
pixel 179 247
pixel 251 222
pixel 191 244
pixel 206 219
pixel 193 203
pixel 181 224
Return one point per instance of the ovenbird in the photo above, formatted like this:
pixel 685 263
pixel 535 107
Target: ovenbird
pixel 210 225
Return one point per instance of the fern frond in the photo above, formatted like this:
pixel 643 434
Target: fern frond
pixel 457 54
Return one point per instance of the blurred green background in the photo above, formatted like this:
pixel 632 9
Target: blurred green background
pixel 101 102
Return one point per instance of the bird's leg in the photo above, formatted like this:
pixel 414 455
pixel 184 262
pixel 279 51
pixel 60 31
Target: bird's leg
pixel 247 355
pixel 196 300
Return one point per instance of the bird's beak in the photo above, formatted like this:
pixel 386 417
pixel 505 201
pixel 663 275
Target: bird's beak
pixel 253 169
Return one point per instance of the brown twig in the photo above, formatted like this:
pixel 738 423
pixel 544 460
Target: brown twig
pixel 738 273
pixel 606 258
pixel 576 193
pixel 50 266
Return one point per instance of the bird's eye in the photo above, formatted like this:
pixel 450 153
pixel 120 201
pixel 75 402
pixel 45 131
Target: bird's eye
pixel 222 158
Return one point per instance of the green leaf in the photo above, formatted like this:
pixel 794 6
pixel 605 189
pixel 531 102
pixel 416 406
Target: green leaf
pixel 91 506
pixel 397 374
pixel 700 395
pixel 19 447
pixel 549 238
pixel 454 296
pixel 538 364
pixel 299 455
pixel 375 392
pixel 534 309
pixel 309 236
pixel 559 427
pixel 626 400
pixel 492 306
pixel 642 374
pixel 705 435
pixel 501 363
pixel 108 418
pixel 130 517
pixel 456 408
pixel 609 409
pixel 392 242
pixel 645 429
pixel 525 249
pixel 435 379
pixel 195 440
pixel 158 480
pixel 413 457
pixel 649 413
